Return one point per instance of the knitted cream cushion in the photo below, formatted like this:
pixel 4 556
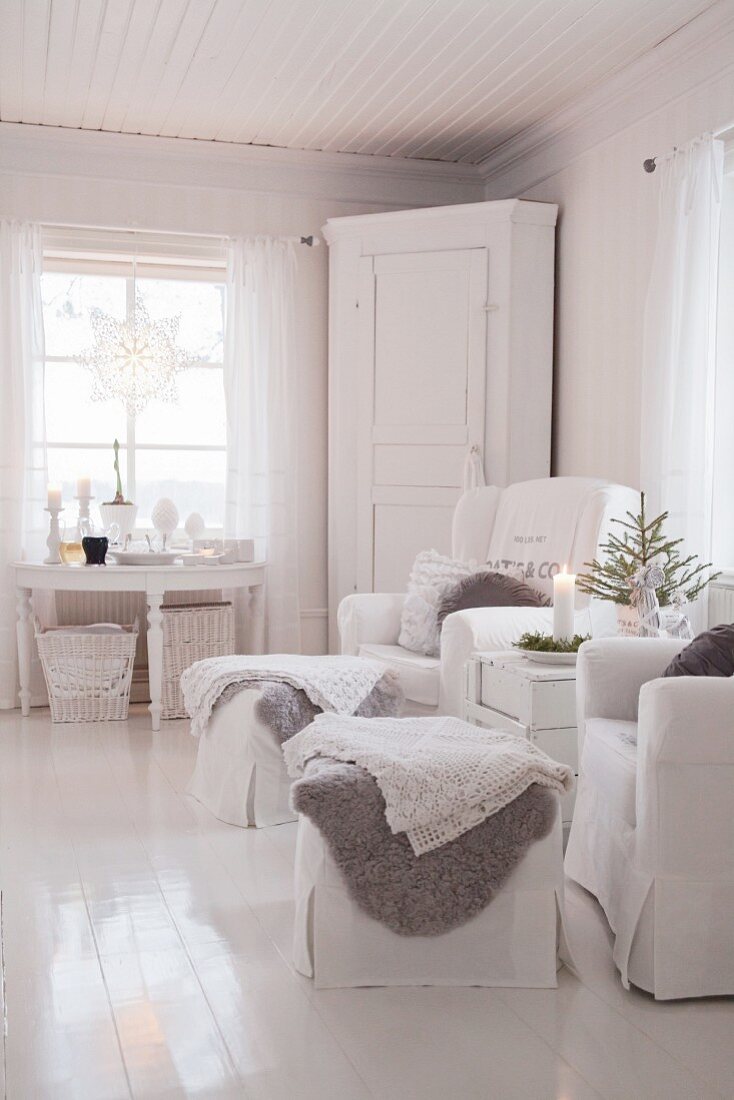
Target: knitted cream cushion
pixel 431 577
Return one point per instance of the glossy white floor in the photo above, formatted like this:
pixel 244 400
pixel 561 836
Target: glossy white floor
pixel 145 952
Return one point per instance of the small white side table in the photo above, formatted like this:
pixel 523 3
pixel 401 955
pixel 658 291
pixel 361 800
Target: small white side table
pixel 154 581
pixel 506 691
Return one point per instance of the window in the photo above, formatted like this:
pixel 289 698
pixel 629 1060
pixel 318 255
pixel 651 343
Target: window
pixel 168 450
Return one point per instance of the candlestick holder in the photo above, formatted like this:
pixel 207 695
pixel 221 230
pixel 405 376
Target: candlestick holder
pixel 54 537
pixel 82 523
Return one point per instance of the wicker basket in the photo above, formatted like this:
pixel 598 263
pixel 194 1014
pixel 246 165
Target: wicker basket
pixel 192 632
pixel 88 675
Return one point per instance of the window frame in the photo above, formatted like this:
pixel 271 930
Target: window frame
pixel 186 269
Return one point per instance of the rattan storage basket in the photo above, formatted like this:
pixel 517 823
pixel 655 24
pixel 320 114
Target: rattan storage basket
pixel 88 674
pixel 191 632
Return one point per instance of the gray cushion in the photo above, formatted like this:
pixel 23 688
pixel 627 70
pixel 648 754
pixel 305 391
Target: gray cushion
pixel 488 590
pixel 709 654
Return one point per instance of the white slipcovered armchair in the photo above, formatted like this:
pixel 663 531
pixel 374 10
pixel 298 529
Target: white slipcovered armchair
pixel 653 828
pixel 538 525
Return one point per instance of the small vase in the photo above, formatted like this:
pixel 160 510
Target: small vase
pixel 72 552
pixel 628 621
pixel 95 549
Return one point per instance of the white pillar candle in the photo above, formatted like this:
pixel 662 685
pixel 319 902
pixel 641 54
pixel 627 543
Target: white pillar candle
pixel 84 487
pixel 564 599
pixel 54 498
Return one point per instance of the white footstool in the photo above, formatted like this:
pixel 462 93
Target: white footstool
pixel 240 775
pixel 514 941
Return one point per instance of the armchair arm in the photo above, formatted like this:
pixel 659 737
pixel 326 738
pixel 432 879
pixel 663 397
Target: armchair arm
pixel 687 720
pixel 685 776
pixel 488 629
pixel 610 673
pixel 369 617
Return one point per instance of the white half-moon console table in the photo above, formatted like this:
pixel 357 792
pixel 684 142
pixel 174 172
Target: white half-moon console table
pixel 154 581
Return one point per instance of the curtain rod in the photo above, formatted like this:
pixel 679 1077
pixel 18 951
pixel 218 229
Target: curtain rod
pixel 649 164
pixel 311 241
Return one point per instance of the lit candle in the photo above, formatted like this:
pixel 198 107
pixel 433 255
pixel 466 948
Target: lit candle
pixel 54 498
pixel 564 599
pixel 84 487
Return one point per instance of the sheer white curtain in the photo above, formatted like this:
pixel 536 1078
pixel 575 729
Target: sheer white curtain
pixel 260 391
pixel 22 426
pixel 677 436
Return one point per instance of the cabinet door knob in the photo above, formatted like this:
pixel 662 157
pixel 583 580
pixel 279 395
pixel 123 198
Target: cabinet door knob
pixel 489 308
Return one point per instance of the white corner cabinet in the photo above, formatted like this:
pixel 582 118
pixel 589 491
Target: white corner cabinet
pixel 440 339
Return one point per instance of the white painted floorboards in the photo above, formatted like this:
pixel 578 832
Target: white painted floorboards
pixel 146 952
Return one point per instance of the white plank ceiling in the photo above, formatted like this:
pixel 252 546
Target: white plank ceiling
pixel 443 80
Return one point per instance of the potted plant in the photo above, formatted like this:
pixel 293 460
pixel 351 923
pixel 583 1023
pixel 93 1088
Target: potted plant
pixel 119 510
pixel 641 543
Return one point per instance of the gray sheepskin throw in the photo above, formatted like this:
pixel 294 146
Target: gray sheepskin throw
pixel 286 710
pixel 489 589
pixel 413 895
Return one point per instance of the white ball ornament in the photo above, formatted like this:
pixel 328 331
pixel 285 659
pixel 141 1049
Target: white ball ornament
pixel 194 526
pixel 165 517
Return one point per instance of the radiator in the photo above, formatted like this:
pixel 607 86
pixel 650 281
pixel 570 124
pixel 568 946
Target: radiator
pixel 721 601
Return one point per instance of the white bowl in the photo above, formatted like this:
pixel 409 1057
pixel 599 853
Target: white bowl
pixel 144 557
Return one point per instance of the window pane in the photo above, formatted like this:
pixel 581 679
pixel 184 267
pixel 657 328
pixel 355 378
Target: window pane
pixel 67 303
pixel 72 416
pixel 65 465
pixel 199 417
pixel 194 481
pixel 199 306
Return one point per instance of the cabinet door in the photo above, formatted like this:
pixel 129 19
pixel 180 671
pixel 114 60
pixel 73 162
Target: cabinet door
pixel 421 403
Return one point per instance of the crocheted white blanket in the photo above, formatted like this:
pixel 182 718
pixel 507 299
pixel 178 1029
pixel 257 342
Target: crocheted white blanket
pixel 439 776
pixel 333 683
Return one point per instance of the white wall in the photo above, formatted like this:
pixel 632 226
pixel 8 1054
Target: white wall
pixel 591 165
pixel 120 181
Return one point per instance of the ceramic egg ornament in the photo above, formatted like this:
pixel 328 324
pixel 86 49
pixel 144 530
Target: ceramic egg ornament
pixel 194 526
pixel 165 518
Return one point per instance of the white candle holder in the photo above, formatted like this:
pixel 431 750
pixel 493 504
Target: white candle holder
pixel 54 537
pixel 84 503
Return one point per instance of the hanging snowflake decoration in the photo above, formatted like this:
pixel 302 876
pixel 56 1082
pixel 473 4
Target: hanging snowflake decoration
pixel 136 360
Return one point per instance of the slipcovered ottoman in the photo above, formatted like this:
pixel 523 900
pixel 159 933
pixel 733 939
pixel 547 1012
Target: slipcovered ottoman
pixel 429 852
pixel 514 941
pixel 240 776
pixel 245 708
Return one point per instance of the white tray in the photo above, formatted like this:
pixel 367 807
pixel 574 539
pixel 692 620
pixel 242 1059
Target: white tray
pixel 548 658
pixel 144 557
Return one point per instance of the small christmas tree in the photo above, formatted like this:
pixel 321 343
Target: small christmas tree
pixel 641 542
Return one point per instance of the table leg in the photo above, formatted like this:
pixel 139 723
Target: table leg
pixel 155 656
pixel 24 630
pixel 257 617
